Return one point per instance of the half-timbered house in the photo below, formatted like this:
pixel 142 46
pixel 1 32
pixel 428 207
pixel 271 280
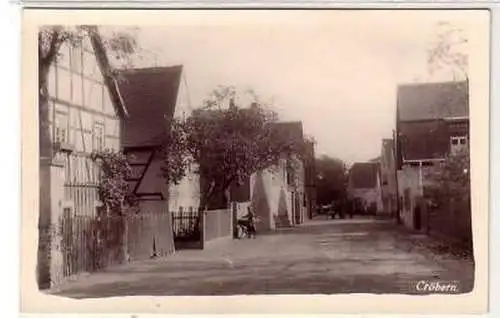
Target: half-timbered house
pixel 85 112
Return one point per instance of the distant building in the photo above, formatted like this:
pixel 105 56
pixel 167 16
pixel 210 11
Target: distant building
pixel 388 178
pixel 310 178
pixel 364 185
pixel 432 120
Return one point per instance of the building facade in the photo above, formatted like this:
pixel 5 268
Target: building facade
pixel 432 121
pixel 85 114
pixel 364 186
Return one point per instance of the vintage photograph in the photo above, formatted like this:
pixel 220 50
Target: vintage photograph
pixel 327 154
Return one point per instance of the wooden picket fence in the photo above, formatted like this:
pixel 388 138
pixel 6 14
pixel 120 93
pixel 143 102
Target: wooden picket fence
pixel 81 175
pixel 90 244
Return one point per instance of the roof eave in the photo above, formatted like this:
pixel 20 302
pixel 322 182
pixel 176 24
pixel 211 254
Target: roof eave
pixel 106 71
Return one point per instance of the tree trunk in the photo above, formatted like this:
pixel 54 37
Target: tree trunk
pixel 45 141
pixel 45 158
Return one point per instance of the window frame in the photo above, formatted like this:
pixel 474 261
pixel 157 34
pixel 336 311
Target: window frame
pixel 457 142
pixel 98 138
pixel 58 127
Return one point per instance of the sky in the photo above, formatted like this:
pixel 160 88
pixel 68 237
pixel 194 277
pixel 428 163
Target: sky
pixel 336 71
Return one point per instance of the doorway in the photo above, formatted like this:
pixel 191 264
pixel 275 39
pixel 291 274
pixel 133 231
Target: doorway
pixel 417 218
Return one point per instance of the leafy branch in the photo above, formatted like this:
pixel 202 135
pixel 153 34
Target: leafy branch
pixel 451 180
pixel 228 144
pixel 114 190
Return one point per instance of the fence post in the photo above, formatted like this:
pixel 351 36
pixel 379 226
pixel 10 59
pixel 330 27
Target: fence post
pixel 124 219
pixel 202 227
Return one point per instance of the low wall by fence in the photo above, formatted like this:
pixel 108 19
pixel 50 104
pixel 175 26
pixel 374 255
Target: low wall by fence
pixel 218 224
pixel 451 222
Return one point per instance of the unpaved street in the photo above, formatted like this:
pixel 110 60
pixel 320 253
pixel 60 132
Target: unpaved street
pixel 339 256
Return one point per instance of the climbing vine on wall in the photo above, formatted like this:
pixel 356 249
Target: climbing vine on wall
pixel 114 191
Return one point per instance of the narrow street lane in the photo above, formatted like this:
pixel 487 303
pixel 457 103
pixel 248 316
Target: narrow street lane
pixel 321 257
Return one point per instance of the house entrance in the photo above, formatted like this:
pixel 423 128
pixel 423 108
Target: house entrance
pixel 417 218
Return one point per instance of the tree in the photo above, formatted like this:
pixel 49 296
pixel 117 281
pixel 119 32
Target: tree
pixel 113 190
pixel 451 180
pixel 331 182
pixel 228 144
pixel 448 51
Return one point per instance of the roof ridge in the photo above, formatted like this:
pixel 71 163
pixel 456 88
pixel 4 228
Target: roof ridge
pixel 150 69
pixel 431 83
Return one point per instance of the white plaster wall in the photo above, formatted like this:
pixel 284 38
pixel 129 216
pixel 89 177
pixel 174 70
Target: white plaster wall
pixel 274 185
pixel 77 86
pixel 409 179
pixel 186 194
pixel 368 195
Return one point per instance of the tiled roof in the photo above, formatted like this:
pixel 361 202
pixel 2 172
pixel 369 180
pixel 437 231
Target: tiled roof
pixel 432 101
pixel 150 96
pixel 363 175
